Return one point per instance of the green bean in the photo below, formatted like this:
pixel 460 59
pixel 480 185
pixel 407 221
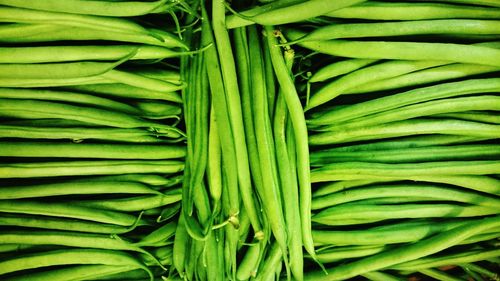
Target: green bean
pixel 73 272
pixel 182 243
pixel 70 188
pixel 354 213
pixel 70 239
pixel 127 91
pixel 367 75
pixel 406 128
pixel 300 132
pixel 479 269
pixel 78 134
pixel 82 168
pixel 152 180
pixel 142 81
pixel 339 68
pixel 492 3
pixel 415 11
pixel 90 150
pixel 64 96
pixel 158 109
pixel 380 276
pixel 66 211
pixel 159 236
pixel 271 201
pixel 393 234
pixel 337 171
pixel 131 203
pixel 410 252
pixel 58 223
pixel 425 76
pixel 383 29
pixel 341 185
pixel 478 116
pixel 55 70
pixel 421 154
pixel 289 14
pixel 53 54
pixel 347 252
pixel 437 261
pixel 401 50
pixel 273 260
pixel 438 275
pixel 249 264
pixel 40 32
pixel 102 8
pixel 408 142
pixel 73 256
pixel 18 15
pixel 431 191
pixel 214 163
pixel 44 109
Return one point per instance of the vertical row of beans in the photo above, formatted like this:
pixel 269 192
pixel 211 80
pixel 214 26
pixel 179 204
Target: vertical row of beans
pixel 91 156
pixel 402 109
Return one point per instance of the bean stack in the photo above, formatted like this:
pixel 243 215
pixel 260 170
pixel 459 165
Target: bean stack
pixel 91 156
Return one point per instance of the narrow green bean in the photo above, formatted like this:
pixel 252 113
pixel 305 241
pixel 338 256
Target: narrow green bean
pixel 73 256
pixel 70 188
pixel 81 168
pixel 73 272
pixel 367 75
pixel 492 3
pixel 130 204
pixel 416 11
pixel 140 81
pixel 442 260
pixel 421 154
pixel 383 29
pixel 406 128
pixel 338 253
pixel 19 15
pixel 90 150
pixel 439 275
pixel 77 134
pixel 354 213
pixel 101 8
pixel 376 191
pixel 53 54
pixel 65 96
pixel 446 72
pixel 478 116
pixel 127 91
pixel 66 211
pixel 337 171
pixel 55 70
pixel 410 252
pixel 290 14
pixel 66 224
pixel 401 50
pixel 339 68
pixel 380 276
pixel 159 236
pixel 40 32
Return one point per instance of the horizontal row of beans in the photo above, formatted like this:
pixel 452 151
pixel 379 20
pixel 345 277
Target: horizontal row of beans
pixel 91 156
pixel 402 109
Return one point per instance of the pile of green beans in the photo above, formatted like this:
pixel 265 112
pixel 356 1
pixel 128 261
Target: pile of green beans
pixel 401 108
pixel 249 140
pixel 91 144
